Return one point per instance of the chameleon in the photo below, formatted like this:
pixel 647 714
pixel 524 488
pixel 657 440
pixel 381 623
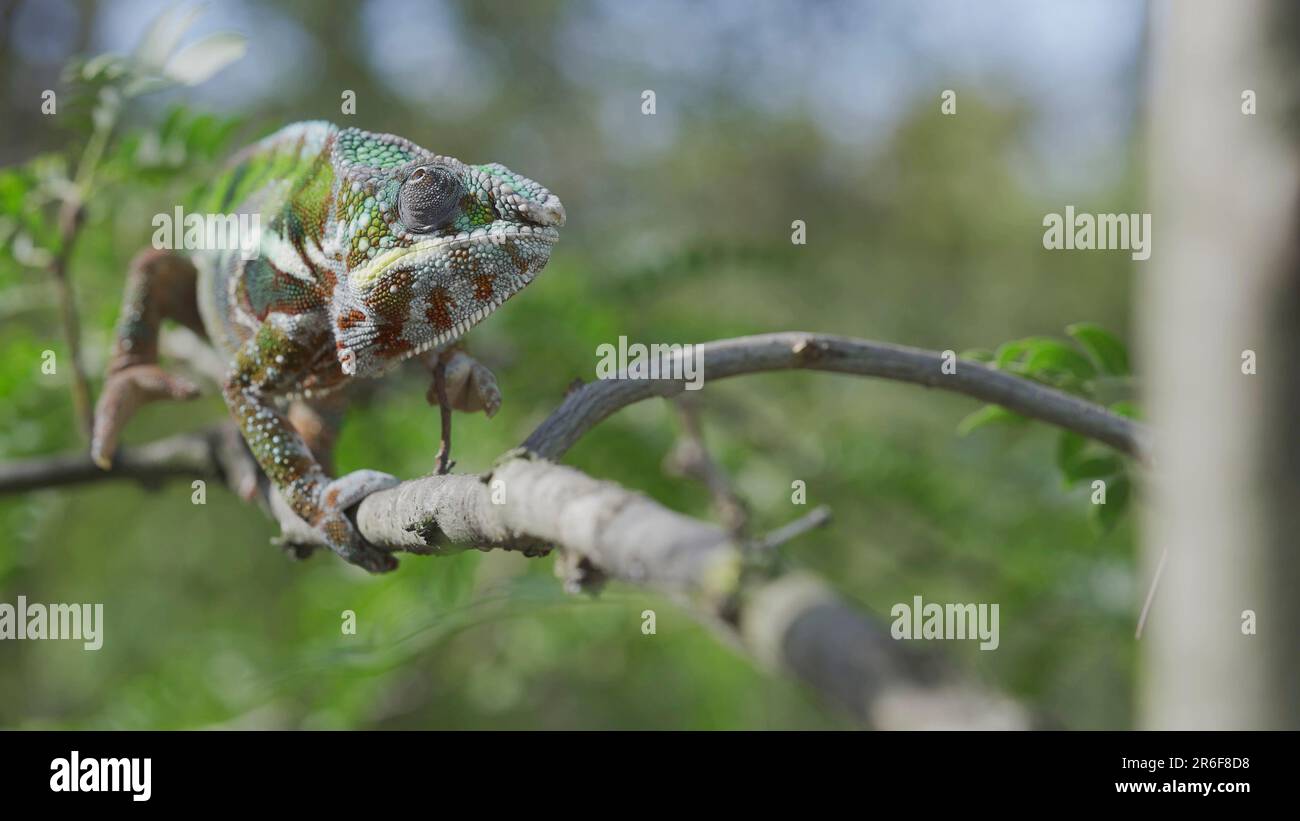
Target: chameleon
pixel 371 250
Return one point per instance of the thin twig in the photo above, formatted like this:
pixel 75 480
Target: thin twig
pixel 1151 594
pixel 70 219
pixel 689 457
pixel 819 516
pixel 589 405
pixel 72 212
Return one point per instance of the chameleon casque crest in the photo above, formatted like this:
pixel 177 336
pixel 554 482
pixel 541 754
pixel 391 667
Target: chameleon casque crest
pixel 372 250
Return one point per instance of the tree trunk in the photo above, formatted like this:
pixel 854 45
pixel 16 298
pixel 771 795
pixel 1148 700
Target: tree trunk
pixel 1223 512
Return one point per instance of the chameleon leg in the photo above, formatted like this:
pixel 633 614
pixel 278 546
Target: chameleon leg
pixel 268 365
pixel 317 422
pixel 160 285
pixel 461 383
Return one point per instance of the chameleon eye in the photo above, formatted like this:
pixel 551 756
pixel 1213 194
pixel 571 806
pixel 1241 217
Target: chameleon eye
pixel 428 197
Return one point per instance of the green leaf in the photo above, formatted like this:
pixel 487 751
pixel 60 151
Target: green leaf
pixel 1050 355
pixel 1097 467
pixel 1126 409
pixel 15 185
pixel 1009 352
pixel 198 61
pixel 207 134
pixel 1103 347
pixel 1069 450
pixel 1119 490
pixel 977 355
pixel 987 415
pixel 1077 461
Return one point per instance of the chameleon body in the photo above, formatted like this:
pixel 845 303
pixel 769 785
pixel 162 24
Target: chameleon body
pixel 371 250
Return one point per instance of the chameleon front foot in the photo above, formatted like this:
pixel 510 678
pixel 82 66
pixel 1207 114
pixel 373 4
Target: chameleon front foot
pixel 461 383
pixel 338 530
pixel 124 392
pixel 470 386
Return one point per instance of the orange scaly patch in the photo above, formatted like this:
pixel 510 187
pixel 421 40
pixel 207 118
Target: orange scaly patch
pixel 440 308
pixel 351 319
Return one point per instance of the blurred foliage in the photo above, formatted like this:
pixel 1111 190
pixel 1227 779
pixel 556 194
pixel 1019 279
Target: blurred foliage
pixel 930 238
pixel 1096 368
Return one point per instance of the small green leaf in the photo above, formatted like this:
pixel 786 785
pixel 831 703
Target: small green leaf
pixel 1052 355
pixel 1069 449
pixel 15 186
pixel 198 61
pixel 1009 352
pixel 1097 467
pixel 1103 347
pixel 977 355
pixel 987 415
pixel 1078 460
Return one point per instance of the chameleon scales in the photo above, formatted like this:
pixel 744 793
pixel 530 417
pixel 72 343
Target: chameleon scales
pixel 371 250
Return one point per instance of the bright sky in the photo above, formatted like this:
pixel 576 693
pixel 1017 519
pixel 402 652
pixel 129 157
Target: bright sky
pixel 854 66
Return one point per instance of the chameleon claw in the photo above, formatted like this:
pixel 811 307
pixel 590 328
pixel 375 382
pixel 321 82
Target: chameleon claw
pixel 124 393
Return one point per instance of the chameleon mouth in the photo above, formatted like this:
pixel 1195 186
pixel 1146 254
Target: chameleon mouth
pixel 491 234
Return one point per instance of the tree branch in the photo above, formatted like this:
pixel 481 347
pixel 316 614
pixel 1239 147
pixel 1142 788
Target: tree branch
pixel 791 622
pixel 591 404
pixel 588 405
pixel 188 455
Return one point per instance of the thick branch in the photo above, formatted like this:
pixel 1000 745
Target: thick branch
pixel 792 623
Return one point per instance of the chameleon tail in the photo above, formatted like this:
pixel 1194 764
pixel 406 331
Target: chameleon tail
pixel 160 285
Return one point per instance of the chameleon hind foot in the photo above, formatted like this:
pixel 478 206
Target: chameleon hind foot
pixel 340 533
pixel 124 392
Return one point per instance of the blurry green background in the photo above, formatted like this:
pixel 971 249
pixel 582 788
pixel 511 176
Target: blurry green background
pixel 923 229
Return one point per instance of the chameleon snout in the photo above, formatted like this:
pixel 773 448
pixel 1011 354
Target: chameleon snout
pixel 549 213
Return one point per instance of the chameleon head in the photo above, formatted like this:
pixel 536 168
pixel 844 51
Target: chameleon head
pixel 429 245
